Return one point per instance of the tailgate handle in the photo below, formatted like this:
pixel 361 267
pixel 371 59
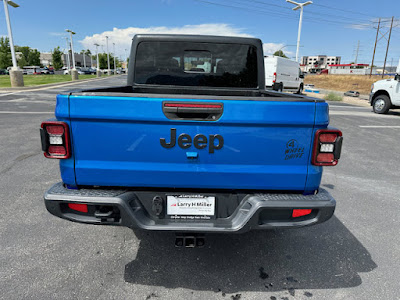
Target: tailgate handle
pixel 196 111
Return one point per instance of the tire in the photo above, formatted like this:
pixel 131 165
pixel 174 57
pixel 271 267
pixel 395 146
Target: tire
pixel 280 87
pixel 381 104
pixel 300 90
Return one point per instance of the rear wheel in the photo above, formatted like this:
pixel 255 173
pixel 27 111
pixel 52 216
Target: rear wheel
pixel 381 104
pixel 280 87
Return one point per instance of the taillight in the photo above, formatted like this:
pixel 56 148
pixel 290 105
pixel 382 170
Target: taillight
pixel 274 78
pixel 55 139
pixel 327 147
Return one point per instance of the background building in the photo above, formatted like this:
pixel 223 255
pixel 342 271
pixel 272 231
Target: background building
pixel 315 64
pixel 349 69
pixel 46 60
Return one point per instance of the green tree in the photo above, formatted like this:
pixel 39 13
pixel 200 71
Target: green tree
pixel 5 53
pixel 29 56
pixel 57 58
pixel 103 61
pixel 280 53
pixel 34 57
pixel 23 59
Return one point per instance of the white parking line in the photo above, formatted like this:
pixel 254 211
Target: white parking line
pixel 7 94
pixel 378 126
pixel 351 107
pixel 362 114
pixel 26 112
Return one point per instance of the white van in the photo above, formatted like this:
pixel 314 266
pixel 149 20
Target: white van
pixel 282 74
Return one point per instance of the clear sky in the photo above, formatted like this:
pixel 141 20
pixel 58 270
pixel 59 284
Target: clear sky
pixel 330 27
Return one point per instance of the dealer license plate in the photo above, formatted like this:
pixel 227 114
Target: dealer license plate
pixel 196 207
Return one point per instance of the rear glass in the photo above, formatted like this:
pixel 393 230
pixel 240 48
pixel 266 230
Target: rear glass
pixel 196 64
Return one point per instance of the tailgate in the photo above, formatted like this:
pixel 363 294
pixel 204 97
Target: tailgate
pixel 127 141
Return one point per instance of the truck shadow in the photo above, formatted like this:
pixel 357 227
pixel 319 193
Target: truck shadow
pixel 325 256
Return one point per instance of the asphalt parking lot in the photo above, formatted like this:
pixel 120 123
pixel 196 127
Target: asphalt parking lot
pixel 355 255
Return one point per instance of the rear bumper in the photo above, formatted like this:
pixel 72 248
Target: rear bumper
pixel 123 208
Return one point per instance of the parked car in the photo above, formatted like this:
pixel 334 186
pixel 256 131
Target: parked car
pixel 4 72
pixel 352 94
pixel 47 70
pixel 86 71
pixel 80 71
pixel 282 74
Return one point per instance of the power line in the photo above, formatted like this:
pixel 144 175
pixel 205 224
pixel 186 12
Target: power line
pixel 319 13
pixel 343 10
pixel 273 13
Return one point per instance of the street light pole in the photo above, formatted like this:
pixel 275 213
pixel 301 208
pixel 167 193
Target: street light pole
pixel 84 59
pixel 115 66
pixel 299 6
pixel 108 57
pixel 74 72
pixel 126 61
pixel 98 72
pixel 72 47
pixel 69 64
pixel 16 77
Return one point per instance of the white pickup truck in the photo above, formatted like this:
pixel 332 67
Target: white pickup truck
pixel 385 94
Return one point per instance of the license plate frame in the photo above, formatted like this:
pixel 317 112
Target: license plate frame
pixel 191 207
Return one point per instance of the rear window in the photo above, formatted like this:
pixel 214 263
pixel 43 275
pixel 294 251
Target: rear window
pixel 196 64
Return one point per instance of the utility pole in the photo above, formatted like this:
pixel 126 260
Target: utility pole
pixel 387 48
pixel 376 41
pixel 358 48
pixel 299 6
pixel 108 58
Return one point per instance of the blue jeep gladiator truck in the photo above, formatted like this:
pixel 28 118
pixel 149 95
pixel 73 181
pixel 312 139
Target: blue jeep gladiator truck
pixel 193 143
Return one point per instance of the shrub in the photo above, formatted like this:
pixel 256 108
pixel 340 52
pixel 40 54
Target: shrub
pixel 333 97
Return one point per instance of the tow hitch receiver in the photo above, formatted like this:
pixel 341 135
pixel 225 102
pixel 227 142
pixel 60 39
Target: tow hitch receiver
pixel 189 240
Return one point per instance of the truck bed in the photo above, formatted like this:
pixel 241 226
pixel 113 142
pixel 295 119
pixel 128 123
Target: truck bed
pixel 193 93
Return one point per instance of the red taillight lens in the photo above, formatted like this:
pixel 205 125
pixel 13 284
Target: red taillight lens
pixel 57 150
pixel 78 207
pixel 327 137
pixel 301 212
pixel 56 130
pixel 327 147
pixel 55 139
pixel 274 78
